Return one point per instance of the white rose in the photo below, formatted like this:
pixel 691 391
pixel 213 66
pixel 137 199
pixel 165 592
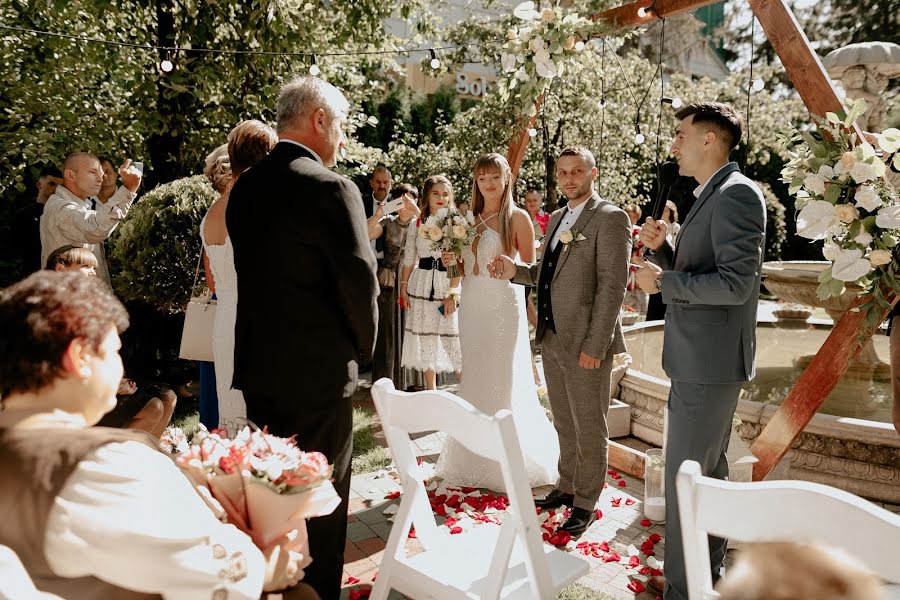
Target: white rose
pixel 526 12
pixel 274 472
pixel 522 74
pixel 470 217
pixel 815 183
pixel 816 220
pixel 889 217
pixel 889 140
pixel 509 62
pixel 826 172
pixel 846 212
pixel 435 234
pixel 525 34
pixel 423 231
pixel 443 212
pixel 845 163
pixel 867 198
pixel 879 257
pixel 850 265
pixel 547 15
pixel 544 65
pixel 831 250
pixel 566 236
pixel 536 44
pixel 459 232
pixel 863 238
pixel 862 172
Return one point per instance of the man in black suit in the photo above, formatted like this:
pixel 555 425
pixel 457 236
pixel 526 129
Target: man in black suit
pixel 306 312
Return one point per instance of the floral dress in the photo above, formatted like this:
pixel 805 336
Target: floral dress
pixel 430 340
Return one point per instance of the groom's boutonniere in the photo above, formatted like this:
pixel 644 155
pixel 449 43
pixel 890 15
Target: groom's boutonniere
pixel 570 237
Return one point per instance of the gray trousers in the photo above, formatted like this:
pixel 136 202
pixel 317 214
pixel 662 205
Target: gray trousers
pixel 579 399
pixel 699 417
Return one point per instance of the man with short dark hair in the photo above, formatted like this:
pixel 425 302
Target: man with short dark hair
pixel 709 281
pixel 24 243
pixel 68 218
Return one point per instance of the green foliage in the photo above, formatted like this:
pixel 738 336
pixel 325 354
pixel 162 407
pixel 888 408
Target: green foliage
pixel 154 252
pixel 776 223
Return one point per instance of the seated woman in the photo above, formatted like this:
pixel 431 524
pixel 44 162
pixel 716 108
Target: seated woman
pixel 154 416
pixel 100 512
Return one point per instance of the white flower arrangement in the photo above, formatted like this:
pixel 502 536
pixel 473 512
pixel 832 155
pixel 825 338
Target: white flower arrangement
pixel 539 50
pixel 451 231
pixel 844 198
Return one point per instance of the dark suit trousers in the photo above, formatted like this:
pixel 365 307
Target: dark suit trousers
pixel 384 361
pixel 327 427
pixel 699 420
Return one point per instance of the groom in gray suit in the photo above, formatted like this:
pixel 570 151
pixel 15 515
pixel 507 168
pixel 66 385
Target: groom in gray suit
pixel 581 281
pixel 710 284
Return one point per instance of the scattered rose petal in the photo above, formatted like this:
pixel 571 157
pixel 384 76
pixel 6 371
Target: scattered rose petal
pixel 645 522
pixel 598 514
pixel 455 530
pixel 621 483
pixel 632 550
pixel 615 476
pixel 653 563
pixel 634 561
pixel 655 538
pixel 612 557
pixel 636 586
pixel 647 547
pixel 392 495
pixel 629 501
pixel 604 546
pixel 611 472
pixel 616 502
pixel 352 580
pixel 412 533
pixel 561 538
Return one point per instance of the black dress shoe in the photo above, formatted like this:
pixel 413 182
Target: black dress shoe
pixel 579 520
pixel 554 499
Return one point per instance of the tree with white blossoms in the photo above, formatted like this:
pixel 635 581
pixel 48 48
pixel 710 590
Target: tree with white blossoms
pixel 844 198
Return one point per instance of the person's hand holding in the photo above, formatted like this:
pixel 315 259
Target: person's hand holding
pixel 409 211
pixel 502 267
pixel 653 233
pixel 449 306
pixel 404 297
pixel 586 361
pixel 379 212
pixel 448 258
pixel 283 568
pixel 646 275
pixel 130 179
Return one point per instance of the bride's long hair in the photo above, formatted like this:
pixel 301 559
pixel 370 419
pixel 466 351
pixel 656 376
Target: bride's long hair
pixel 496 163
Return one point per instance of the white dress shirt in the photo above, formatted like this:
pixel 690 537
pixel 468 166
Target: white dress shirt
pixel 698 191
pixel 568 222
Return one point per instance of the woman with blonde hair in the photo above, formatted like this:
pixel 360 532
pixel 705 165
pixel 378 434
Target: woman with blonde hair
pixel 249 142
pixel 494 337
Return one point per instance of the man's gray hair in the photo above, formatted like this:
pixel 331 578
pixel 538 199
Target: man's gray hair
pixel 303 95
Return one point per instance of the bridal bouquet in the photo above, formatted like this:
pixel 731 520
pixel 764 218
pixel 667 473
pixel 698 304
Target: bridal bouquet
pixel 266 485
pixel 449 231
pixel 844 198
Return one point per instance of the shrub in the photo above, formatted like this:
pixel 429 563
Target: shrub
pixel 776 224
pixel 154 253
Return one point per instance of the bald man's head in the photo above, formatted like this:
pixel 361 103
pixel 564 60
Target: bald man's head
pixel 82 174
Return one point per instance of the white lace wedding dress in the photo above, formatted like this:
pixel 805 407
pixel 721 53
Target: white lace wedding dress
pixel 497 374
pixel 232 408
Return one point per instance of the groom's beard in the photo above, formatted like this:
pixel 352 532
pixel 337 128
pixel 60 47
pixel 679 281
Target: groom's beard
pixel 580 193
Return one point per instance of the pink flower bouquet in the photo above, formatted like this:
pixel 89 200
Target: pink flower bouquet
pixel 265 484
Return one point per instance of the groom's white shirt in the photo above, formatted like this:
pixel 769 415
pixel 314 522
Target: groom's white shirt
pixel 568 222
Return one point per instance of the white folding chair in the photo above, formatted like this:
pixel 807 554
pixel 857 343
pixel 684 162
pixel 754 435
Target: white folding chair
pixel 780 511
pixel 489 561
pixel 15 583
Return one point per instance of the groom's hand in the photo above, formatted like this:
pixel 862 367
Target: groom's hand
pixel 586 361
pixel 502 267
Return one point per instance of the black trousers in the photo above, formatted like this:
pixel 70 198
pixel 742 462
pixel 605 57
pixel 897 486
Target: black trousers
pixel 385 359
pixel 325 426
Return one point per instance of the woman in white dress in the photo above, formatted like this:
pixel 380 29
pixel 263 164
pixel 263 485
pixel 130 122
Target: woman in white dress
pixel 431 338
pixel 494 337
pixel 247 143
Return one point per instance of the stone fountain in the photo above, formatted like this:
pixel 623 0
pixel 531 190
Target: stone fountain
pixel 796 282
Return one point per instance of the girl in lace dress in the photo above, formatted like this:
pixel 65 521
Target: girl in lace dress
pixel 431 338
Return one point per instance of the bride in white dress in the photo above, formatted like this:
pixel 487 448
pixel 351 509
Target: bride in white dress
pixel 493 333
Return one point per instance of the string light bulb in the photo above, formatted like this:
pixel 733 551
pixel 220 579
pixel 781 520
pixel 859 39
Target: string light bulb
pixel 532 132
pixel 579 46
pixel 435 61
pixel 639 138
pixel 601 104
pixel 677 103
pixel 314 69
pixel 758 85
pixel 166 65
pixel 642 12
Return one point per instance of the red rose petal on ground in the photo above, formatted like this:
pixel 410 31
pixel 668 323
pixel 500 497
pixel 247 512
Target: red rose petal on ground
pixel 647 547
pixel 469 490
pixel 440 510
pixel 351 580
pixel 392 495
pixel 615 476
pixel 412 533
pixel 612 557
pixel 582 544
pixel 604 546
pixel 634 561
pixel 645 570
pixel 636 586
pixel 545 536
pixel 621 483
pixel 455 530
pixel 645 522
pixel 598 514
pixel 561 538
pixel 655 538
pixel 612 472
pixel 629 501
pixel 616 502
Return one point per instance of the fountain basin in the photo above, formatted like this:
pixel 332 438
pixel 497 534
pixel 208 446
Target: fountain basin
pixel 850 444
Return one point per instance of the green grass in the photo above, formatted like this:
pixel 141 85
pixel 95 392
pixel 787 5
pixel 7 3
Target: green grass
pixel 580 592
pixel 368 456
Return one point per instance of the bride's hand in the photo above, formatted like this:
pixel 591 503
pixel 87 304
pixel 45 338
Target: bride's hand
pixel 502 267
pixel 449 307
pixel 283 568
pixel 448 258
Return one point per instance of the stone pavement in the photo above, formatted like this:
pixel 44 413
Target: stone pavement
pixel 620 526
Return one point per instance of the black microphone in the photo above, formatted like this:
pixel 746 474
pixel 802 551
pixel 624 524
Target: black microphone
pixel 668 175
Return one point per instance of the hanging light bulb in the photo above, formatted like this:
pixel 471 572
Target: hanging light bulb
pixel 758 85
pixel 642 12
pixel 532 132
pixel 639 138
pixel 677 103
pixel 314 69
pixel 601 104
pixel 579 46
pixel 166 65
pixel 435 61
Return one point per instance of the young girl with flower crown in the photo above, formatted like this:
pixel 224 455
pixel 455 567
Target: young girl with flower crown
pixel 431 338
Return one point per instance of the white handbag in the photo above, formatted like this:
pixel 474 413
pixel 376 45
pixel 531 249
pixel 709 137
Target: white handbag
pixel 199 317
